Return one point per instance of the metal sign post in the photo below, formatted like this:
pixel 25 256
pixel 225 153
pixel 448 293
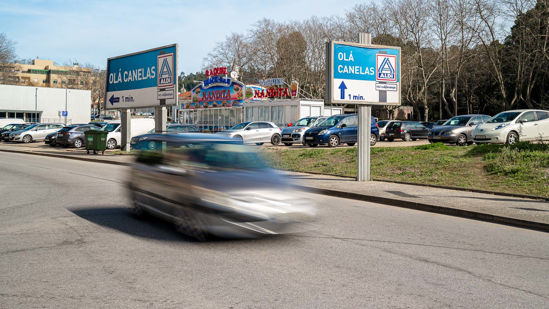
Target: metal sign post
pixel 363 74
pixel 364 127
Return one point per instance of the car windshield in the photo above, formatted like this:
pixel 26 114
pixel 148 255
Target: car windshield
pixel 240 126
pixel 304 122
pixel 503 117
pixel 227 155
pixel 382 123
pixel 65 129
pixel 31 126
pixel 110 127
pixel 9 126
pixel 172 129
pixel 457 121
pixel 329 122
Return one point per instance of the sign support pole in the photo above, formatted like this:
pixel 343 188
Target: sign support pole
pixel 364 128
pixel 125 129
pixel 160 118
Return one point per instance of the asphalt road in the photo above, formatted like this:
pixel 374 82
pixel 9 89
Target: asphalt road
pixel 68 241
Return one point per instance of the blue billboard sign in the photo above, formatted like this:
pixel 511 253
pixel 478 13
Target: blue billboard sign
pixel 142 79
pixel 363 74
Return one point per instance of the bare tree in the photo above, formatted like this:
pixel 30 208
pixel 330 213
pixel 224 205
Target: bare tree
pixel 7 49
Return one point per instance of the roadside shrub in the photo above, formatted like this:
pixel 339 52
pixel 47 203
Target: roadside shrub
pixel 517 161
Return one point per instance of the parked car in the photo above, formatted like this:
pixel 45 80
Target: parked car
pixel 406 130
pixel 180 128
pixel 337 130
pixel 74 136
pixel 137 127
pixel 258 132
pixel 170 129
pixel 13 127
pixel 383 124
pixel 458 130
pixel 294 133
pixel 212 184
pixel 513 126
pixel 36 132
pixel 51 139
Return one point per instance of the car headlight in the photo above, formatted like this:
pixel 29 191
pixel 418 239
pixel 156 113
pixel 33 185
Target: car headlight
pixel 298 130
pixel 501 126
pixel 322 132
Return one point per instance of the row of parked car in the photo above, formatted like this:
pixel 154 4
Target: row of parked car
pixel 506 127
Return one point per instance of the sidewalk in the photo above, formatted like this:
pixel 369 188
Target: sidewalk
pixel 515 211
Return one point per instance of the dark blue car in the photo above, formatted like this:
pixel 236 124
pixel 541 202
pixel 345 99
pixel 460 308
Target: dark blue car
pixel 338 130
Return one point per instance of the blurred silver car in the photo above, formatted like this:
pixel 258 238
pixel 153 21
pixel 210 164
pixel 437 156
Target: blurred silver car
pixel 214 185
pixel 294 134
pixel 258 132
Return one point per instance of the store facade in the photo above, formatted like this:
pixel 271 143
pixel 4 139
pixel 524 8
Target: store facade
pixel 220 102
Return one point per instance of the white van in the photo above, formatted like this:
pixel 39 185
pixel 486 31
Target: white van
pixel 138 126
pixel 4 122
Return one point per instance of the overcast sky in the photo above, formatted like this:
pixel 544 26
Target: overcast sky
pixel 91 31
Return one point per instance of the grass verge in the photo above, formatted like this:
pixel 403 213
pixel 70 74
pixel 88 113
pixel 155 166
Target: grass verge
pixel 520 169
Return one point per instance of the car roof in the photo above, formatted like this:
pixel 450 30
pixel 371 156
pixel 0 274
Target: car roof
pixel 188 137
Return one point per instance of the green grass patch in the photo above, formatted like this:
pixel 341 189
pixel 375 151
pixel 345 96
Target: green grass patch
pixel 521 168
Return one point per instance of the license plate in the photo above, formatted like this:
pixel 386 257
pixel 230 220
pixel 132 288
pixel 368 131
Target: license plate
pixel 436 137
pixel 309 137
pixel 286 135
pixel 480 136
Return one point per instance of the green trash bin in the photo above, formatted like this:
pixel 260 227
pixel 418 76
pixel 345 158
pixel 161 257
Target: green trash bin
pixel 96 140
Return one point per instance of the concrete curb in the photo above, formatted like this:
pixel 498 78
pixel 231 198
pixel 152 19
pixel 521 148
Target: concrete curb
pixel 538 226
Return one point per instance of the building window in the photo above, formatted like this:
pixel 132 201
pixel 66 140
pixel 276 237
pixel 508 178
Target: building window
pixel 11 115
pixel 55 81
pixel 2 114
pixel 19 116
pixel 81 83
pixel 45 81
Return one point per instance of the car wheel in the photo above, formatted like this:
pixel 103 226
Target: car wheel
pixel 373 139
pixel 407 137
pixel 239 138
pixel 351 144
pixel 381 138
pixel 333 141
pixel 461 140
pixel 77 143
pixel 52 144
pixel 512 138
pixel 275 139
pixel 288 144
pixel 259 144
pixel 111 143
pixel 414 139
pixel 312 145
pixel 390 139
pixel 190 224
pixel 27 139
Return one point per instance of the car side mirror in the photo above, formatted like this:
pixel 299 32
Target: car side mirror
pixel 342 125
pixel 472 124
pixel 248 128
pixel 521 121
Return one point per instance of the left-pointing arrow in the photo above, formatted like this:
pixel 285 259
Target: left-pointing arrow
pixel 114 100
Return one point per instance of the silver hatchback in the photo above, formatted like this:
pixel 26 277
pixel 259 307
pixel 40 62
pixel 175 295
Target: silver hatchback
pixel 258 132
pixel 210 184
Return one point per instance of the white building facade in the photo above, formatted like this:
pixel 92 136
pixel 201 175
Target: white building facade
pixel 43 104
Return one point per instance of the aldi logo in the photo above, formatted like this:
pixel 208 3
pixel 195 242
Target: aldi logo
pixel 386 68
pixel 165 71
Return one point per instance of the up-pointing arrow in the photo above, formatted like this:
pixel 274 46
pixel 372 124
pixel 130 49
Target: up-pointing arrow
pixel 342 87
